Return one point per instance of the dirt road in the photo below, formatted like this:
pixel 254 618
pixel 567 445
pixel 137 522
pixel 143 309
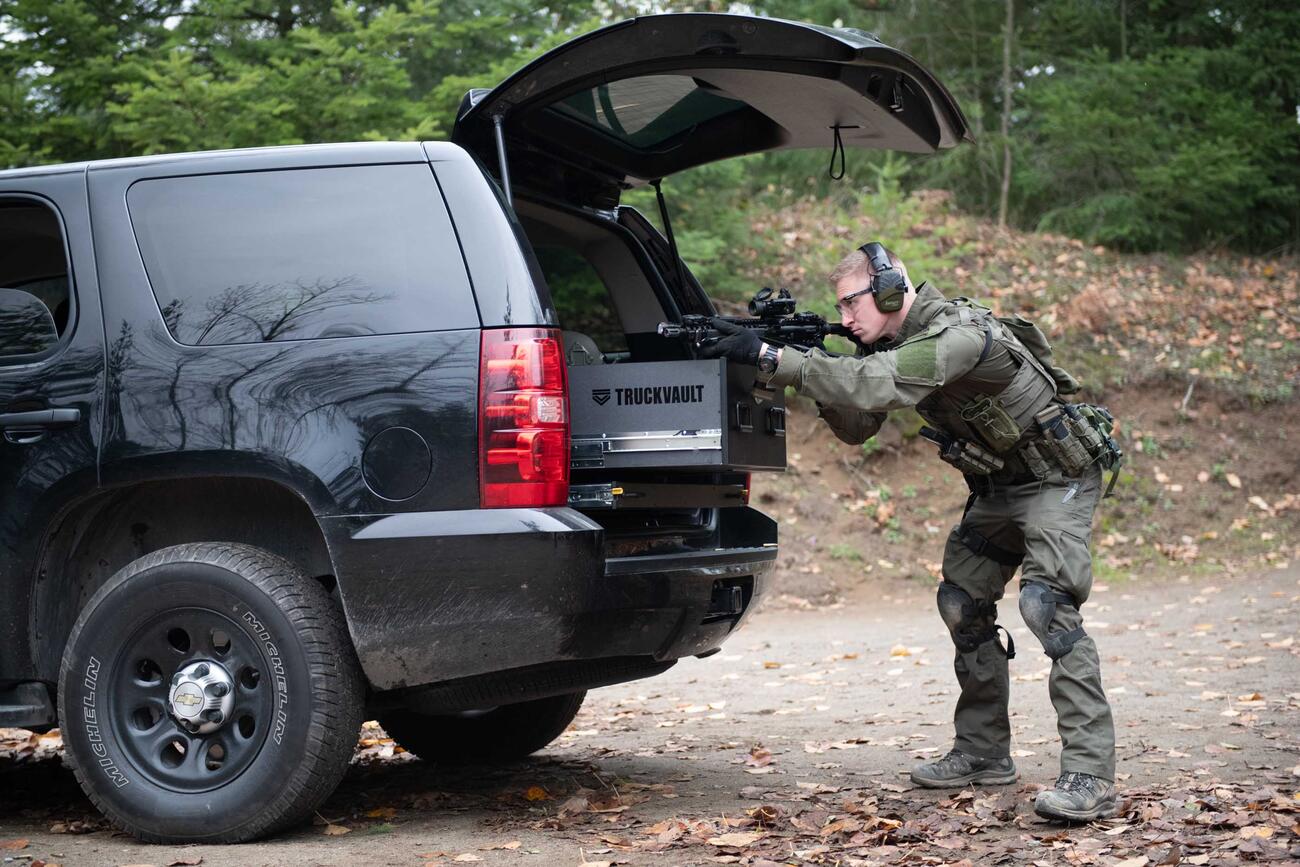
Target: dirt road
pixel 792 746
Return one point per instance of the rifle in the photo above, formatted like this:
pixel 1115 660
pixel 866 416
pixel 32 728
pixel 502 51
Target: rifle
pixel 771 312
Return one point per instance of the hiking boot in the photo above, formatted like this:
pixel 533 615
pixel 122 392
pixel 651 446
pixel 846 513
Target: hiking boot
pixel 958 769
pixel 1077 798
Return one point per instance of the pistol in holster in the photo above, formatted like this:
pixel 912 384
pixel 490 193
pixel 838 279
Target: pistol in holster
pixel 965 455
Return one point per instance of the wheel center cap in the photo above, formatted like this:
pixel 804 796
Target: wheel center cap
pixel 202 696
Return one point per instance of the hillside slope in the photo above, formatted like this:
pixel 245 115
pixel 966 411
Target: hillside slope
pixel 1197 357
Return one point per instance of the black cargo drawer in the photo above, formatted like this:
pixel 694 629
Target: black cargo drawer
pixel 667 414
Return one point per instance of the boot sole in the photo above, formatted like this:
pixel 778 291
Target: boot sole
pixel 961 782
pixel 1104 811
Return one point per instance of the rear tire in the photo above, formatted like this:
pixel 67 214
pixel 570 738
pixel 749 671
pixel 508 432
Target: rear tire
pixel 503 734
pixel 146 740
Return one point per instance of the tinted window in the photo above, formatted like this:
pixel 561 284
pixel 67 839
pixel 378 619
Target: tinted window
pixel 647 111
pixel 581 298
pixel 293 255
pixel 35 293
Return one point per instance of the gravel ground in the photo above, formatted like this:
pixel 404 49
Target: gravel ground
pixel 805 719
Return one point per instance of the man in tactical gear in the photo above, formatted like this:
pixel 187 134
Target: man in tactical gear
pixel 992 391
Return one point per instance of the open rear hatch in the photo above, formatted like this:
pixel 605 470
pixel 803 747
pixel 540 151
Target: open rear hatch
pixel 647 97
pixel 660 440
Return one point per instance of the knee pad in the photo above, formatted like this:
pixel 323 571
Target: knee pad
pixel 970 622
pixel 1038 607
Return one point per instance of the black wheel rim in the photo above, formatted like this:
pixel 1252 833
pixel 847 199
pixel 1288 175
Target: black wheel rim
pixel 153 741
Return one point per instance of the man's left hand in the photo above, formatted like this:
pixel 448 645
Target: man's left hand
pixel 736 344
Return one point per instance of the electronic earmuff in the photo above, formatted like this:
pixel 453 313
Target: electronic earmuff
pixel 888 285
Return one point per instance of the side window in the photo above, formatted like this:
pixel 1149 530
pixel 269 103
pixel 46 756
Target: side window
pixel 35 292
pixel 581 298
pixel 301 254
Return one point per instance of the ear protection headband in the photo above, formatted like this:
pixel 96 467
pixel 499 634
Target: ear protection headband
pixel 888 285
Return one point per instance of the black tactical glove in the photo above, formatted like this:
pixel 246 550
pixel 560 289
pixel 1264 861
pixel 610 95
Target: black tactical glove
pixel 737 344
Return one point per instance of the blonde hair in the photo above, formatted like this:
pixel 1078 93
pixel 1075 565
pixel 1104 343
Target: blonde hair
pixel 856 263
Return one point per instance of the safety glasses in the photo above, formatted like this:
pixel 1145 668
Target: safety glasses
pixel 842 306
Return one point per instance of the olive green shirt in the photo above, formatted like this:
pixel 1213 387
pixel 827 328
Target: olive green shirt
pixel 854 393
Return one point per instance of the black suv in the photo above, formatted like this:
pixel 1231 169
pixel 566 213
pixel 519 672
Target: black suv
pixel 289 436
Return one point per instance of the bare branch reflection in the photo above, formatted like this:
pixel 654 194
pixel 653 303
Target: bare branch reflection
pixel 263 313
pixel 260 388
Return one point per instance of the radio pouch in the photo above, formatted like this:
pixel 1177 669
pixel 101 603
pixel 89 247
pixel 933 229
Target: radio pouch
pixel 993 423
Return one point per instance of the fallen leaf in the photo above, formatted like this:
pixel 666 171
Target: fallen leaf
pixel 382 813
pixel 759 757
pixel 513 844
pixel 738 839
pixel 1233 479
pixel 13 845
pixel 575 805
pixel 466 857
pixel 336 830
pixel 537 793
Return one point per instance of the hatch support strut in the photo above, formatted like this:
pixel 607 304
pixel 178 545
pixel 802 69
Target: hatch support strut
pixel 501 158
pixel 672 241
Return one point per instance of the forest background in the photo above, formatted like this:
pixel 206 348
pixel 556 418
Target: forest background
pixel 1134 187
pixel 1137 124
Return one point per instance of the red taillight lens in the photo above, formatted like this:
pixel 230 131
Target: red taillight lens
pixel 524 420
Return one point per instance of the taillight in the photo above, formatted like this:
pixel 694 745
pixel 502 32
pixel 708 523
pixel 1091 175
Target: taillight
pixel 524 419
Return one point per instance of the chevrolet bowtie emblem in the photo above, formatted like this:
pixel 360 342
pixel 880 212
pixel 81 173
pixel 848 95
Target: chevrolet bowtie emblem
pixel 188 699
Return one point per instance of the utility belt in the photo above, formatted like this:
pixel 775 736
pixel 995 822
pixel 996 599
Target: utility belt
pixel 1069 438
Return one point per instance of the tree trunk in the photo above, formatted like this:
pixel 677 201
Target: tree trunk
pixel 1006 113
pixel 1123 29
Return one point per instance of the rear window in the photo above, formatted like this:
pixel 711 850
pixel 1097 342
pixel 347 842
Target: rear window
pixel 301 254
pixel 647 111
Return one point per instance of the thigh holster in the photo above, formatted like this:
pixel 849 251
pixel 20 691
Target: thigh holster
pixel 971 623
pixel 1038 607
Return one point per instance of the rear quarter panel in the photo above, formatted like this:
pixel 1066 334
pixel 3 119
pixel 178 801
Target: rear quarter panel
pixel 299 412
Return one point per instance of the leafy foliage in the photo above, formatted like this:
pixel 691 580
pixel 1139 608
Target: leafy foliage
pixel 1139 124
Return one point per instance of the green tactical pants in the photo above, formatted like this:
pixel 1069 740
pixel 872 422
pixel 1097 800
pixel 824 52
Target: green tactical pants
pixel 1051 527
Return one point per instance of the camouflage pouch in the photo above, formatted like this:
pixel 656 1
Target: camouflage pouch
pixel 1034 460
pixel 993 423
pixel 1059 440
pixel 1094 425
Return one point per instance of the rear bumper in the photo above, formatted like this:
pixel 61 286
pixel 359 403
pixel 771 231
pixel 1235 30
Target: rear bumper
pixel 432 597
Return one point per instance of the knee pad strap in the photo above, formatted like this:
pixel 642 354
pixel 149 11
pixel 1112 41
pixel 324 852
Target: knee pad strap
pixel 1038 607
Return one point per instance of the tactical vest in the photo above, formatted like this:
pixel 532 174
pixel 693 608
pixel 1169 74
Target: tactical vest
pixel 1008 377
